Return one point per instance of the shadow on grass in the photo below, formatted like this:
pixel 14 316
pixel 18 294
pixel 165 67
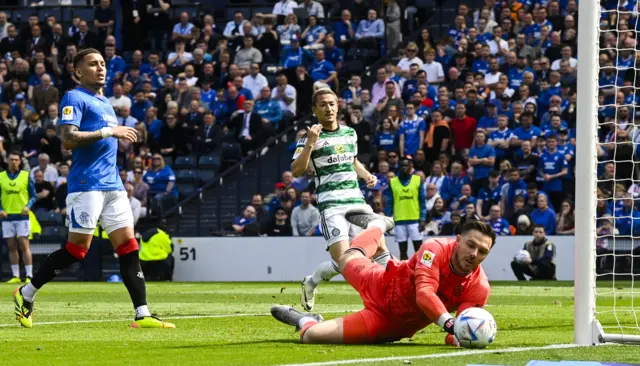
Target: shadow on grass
pixel 290 342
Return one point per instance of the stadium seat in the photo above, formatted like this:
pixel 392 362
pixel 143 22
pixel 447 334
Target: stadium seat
pixel 209 162
pixel 22 15
pixel 47 218
pixel 206 176
pixel 186 176
pixel 186 189
pixel 231 153
pixel 354 67
pixel 83 12
pixel 168 161
pixel 185 162
pixel 46 12
pixel 33 161
pixel 53 232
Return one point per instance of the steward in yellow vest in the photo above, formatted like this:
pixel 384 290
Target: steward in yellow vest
pixel 17 195
pixel 155 255
pixel 406 202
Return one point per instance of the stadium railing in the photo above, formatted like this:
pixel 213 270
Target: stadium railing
pixel 197 197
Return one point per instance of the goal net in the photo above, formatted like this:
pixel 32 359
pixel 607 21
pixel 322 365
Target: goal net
pixel 607 255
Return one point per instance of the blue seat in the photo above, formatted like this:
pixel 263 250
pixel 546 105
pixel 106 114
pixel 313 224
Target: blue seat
pixel 84 13
pixel 49 218
pixel 168 161
pixel 209 162
pixel 47 12
pixel 206 176
pixel 53 232
pixel 186 189
pixel 22 15
pixel 231 152
pixel 186 176
pixel 185 162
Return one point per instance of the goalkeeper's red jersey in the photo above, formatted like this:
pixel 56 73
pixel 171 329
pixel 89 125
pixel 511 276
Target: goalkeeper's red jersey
pixel 419 290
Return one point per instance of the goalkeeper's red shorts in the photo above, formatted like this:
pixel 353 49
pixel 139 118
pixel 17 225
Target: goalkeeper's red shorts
pixel 370 325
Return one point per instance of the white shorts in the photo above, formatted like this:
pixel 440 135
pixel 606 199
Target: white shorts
pixel 406 232
pixel 109 208
pixel 335 227
pixel 11 229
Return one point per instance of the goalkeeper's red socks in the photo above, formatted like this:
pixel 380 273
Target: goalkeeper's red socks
pixel 367 241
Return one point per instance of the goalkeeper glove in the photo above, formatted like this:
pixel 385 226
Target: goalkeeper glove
pixel 448 325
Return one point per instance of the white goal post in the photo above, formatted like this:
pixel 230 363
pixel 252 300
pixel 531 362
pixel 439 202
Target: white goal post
pixel 592 322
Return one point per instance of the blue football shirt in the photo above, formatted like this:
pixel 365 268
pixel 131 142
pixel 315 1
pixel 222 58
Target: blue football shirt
pixel 552 163
pixel 94 165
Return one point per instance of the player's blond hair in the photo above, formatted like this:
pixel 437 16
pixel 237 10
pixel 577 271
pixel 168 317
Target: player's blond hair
pixel 320 92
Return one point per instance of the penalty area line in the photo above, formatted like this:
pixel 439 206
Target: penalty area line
pixel 211 316
pixel 439 355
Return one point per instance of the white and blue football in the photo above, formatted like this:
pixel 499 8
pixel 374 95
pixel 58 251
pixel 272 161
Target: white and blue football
pixel 475 328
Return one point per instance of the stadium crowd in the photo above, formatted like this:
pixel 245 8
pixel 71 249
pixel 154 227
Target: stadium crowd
pixel 485 114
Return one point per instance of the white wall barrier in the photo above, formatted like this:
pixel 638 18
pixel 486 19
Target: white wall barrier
pixel 291 258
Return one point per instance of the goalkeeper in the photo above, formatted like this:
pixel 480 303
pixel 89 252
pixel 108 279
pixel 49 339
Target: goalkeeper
pixel 443 276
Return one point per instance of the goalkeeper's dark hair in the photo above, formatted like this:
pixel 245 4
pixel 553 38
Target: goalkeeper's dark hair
pixel 80 56
pixel 480 226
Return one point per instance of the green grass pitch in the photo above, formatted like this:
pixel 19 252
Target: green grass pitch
pixel 228 324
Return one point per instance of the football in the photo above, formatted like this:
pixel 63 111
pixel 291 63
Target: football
pixel 475 328
pixel 522 256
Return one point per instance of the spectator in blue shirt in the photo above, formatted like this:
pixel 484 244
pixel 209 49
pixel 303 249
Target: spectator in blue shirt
pixel 34 78
pixel 514 187
pixel 370 27
pixel 499 224
pixel 452 184
pixel 526 131
pixel 114 63
pixel 293 55
pixel 247 218
pixel 323 70
pixel 182 30
pixel 489 121
pixel 544 215
pixel 344 31
pixel 207 93
pixel 465 198
pixel 333 54
pixel 352 93
pixel 220 108
pixel 501 138
pixel 139 106
pixel 411 132
pixel 482 158
pixel 553 166
pixel 627 219
pixel 386 138
pixel 489 195
pixel 314 33
pixel 162 183
pixel 268 109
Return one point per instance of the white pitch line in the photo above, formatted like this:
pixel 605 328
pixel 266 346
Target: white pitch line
pixel 438 355
pixel 91 321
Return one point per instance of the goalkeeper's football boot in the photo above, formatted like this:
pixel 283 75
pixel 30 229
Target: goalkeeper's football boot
pixel 150 322
pixel 291 316
pixel 308 295
pixel 23 308
pixel 362 219
pixel 27 280
pixel 14 280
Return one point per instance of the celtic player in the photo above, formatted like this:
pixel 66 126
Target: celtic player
pixel 331 150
